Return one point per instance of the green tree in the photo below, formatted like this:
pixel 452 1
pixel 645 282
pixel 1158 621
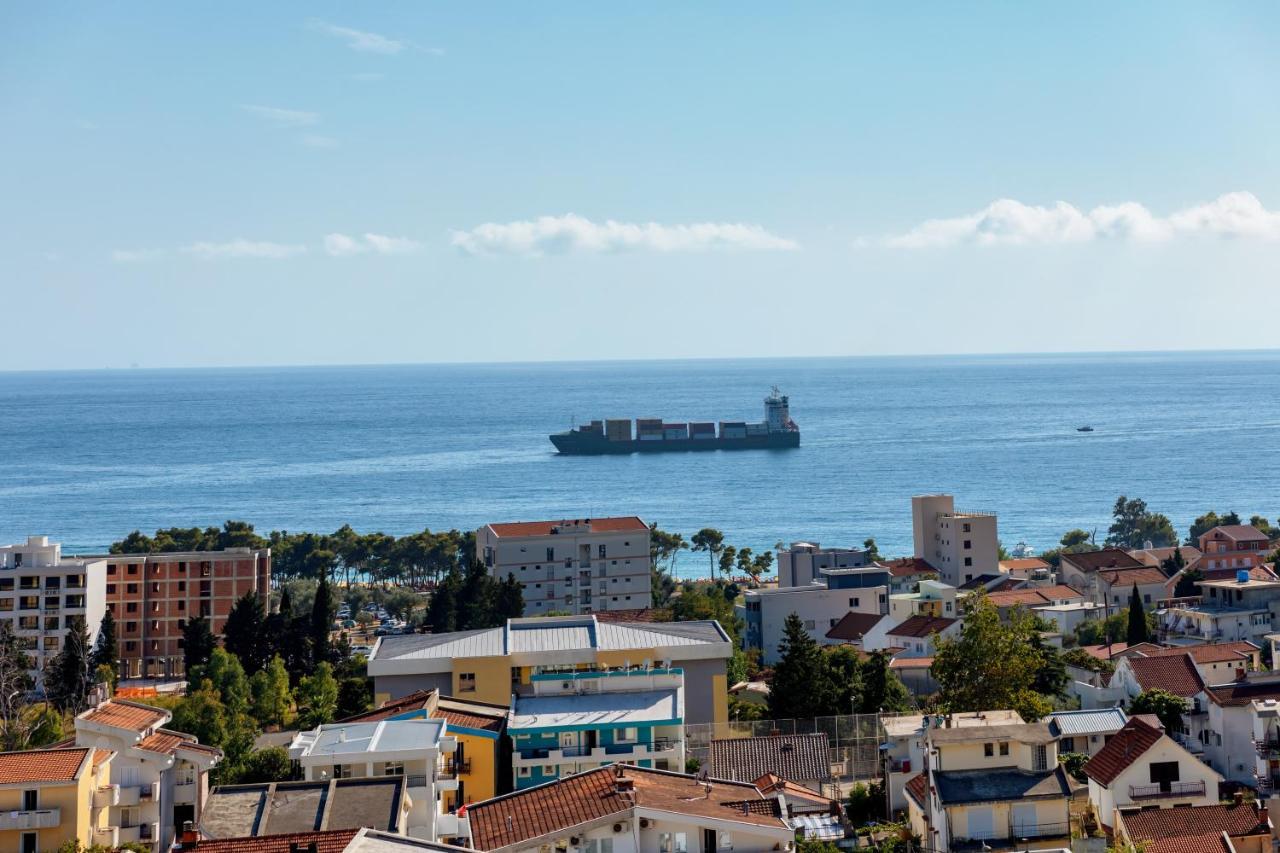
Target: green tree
pixel 1075 541
pixel 873 551
pixel 1163 704
pixel 355 696
pixel 225 673
pixel 860 808
pixel 882 689
pixel 1051 675
pixel 761 566
pixel 509 600
pixel 708 601
pixel 244 635
pixel 1202 525
pixel 198 643
pixel 664 548
pixel 270 690
pixel 442 610
pixel 202 714
pixel 800 688
pixel 711 541
pixel 15 685
pixel 70 675
pixel 842 669
pixel 317 697
pixel 1135 525
pixel 1137 619
pixel 105 650
pixel 323 609
pixel 1174 563
pixel 269 764
pixel 989 664
pixel 727 555
pixel 476 602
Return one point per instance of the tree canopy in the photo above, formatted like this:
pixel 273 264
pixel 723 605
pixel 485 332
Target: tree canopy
pixel 1135 525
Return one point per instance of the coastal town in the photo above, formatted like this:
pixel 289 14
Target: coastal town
pixel 550 686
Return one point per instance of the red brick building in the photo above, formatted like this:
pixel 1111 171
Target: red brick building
pixel 152 596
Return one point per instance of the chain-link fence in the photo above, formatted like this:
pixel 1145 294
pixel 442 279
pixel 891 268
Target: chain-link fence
pixel 853 740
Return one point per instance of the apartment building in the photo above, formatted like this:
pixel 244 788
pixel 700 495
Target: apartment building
pixel 159 779
pixel 49 798
pixel 959 545
pixel 152 596
pixel 906 744
pixel 41 592
pixel 1234 546
pixel 578 721
pixel 577 565
pixel 1228 611
pixel 820 605
pixel 801 563
pixel 490 665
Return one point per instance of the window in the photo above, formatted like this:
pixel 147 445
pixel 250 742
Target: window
pixel 673 842
pixel 1067 744
pixel 131 589
pixel 393 768
pixel 968 528
pixel 1004 747
pixel 628 734
pixel 131 627
pixel 988 749
pixel 524 772
pixel 111 589
pixel 466 682
pixel 725 841
pixel 133 568
pixel 968 561
pixel 131 607
pixel 853 602
pixel 155 586
pixel 968 544
pixel 342 771
pixel 30 800
pixel 6 604
pixel 602 551
pixel 551 555
pixel 948 606
pixel 182 586
pixel 549 770
pixel 1164 774
pixel 598 845
pixel 29 843
pixel 6 584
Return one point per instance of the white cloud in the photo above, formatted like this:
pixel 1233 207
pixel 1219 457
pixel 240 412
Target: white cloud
pixel 359 39
pixel 342 246
pixel 1010 222
pixel 242 248
pixel 572 233
pixel 282 118
pixel 315 140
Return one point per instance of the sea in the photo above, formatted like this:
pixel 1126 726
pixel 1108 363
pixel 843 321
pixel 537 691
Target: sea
pixel 87 456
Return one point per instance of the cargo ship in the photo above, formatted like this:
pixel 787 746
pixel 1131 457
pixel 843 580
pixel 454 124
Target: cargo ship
pixel 653 435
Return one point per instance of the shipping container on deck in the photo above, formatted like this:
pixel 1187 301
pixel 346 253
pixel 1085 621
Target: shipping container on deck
pixel 702 430
pixel 758 429
pixel 733 429
pixel 618 430
pixel 675 431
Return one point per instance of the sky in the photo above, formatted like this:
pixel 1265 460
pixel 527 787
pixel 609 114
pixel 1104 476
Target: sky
pixel 340 183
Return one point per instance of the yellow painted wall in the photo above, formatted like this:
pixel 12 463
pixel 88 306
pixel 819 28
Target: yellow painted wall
pixel 493 679
pixel 482 782
pixel 74 799
pixel 720 690
pixel 619 658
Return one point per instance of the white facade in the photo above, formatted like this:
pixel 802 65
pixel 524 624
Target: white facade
pixel 40 592
pixel 801 564
pixel 932 598
pixel 818 606
pixel 579 566
pixel 960 545
pixel 906 736
pixel 1197 783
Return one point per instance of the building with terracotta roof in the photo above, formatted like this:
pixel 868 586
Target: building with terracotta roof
pixel 1156 557
pixel 906 742
pixel 1025 567
pixel 1244 719
pixel 1216 662
pixel 864 630
pixel 959 545
pixel 916 635
pixel 491 664
pixel 364 840
pixel 1176 674
pixel 1142 767
pixel 50 797
pixel 1237 827
pixel 581 565
pixel 804 759
pixel 1234 546
pixel 159 778
pixel 1080 570
pixel 1115 586
pixel 482 759
pixel 820 605
pixel 635 810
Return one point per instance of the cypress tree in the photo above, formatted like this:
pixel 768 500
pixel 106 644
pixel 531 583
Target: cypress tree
pixel 197 643
pixel 321 619
pixel 243 635
pixel 1137 619
pixel 799 680
pixel 105 650
pixel 69 677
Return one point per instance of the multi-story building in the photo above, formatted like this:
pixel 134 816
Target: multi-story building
pixel 801 564
pixel 1086 731
pixel 414 749
pixel 577 721
pixel 41 592
pixel 1237 827
pixel 49 798
pixel 152 596
pixel 1080 571
pixel 490 665
pixel 820 604
pixel 1228 610
pixel 159 779
pixel 1234 546
pixel 577 565
pixel 959 545
pixel 906 742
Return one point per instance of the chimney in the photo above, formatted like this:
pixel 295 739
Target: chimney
pixel 190 835
pixel 1238 798
pixel 624 784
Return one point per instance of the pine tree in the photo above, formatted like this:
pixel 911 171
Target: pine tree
pixel 510 601
pixel 800 683
pixel 442 611
pixel 270 689
pixel 882 689
pixel 105 651
pixel 1137 619
pixel 476 600
pixel 317 697
pixel 321 619
pixel 197 644
pixel 69 677
pixel 244 633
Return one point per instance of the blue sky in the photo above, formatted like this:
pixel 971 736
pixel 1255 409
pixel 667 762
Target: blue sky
pixel 349 183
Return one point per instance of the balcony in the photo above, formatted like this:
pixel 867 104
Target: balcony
pixel 452 826
pixel 453 767
pixel 1040 830
pixel 132 795
pixel 33 819
pixel 1167 790
pixel 107 836
pixel 108 795
pixel 184 793
pixel 143 833
pixel 1267 748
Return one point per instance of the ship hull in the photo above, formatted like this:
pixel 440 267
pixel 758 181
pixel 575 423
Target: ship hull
pixel 578 444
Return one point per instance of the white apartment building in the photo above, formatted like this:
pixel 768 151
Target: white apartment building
pixel 159 778
pixel 960 545
pixel 802 563
pixel 579 565
pixel 820 605
pixel 412 748
pixel 40 592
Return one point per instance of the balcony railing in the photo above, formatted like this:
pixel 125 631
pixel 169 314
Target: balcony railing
pixel 416 781
pixel 1040 830
pixel 1168 789
pixel 455 767
pixel 31 819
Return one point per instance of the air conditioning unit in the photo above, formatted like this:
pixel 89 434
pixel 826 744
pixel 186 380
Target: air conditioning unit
pixel 566 685
pixel 619 827
pixel 645 823
pixel 575 840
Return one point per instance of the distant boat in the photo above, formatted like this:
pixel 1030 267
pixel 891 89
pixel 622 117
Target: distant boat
pixel 1084 429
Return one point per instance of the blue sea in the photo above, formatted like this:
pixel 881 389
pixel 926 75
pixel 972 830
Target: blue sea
pixel 88 456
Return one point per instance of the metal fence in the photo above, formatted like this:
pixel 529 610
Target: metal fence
pixel 854 741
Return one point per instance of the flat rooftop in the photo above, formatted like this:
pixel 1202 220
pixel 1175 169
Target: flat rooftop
pixel 912 723
pixel 352 739
pixel 601 709
pixel 238 811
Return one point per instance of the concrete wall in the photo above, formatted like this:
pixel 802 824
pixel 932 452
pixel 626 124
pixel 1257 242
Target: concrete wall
pixel 394 686
pixel 706 698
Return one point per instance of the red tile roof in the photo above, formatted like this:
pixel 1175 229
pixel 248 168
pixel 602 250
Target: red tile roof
pixel 800 758
pixel 1192 828
pixel 161 742
pixel 772 783
pixel 918 788
pixel 126 715
pixel 1175 673
pixel 474 718
pixel 417 701
pixel 1209 652
pixel 43 765
pixel 911 663
pixel 1123 749
pixel 854 626
pixel 1104 652
pixel 1237 533
pixel 1034 597
pixel 1241 693
pixel 1127 577
pixel 543 528
pixel 922 626
pixel 1257 573
pixel 330 841
pixel 1024 564
pixel 1107 558
pixel 902 567
pixel 595 795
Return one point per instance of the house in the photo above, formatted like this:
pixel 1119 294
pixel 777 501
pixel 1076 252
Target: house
pixel 1025 567
pixel 1142 767
pixel 906 572
pixel 52 797
pixel 322 805
pixel 1086 732
pixel 1216 662
pixel 1080 571
pixel 1234 546
pixel 1244 718
pixel 159 779
pixel 1156 557
pixel 580 721
pixel 1238 827
pixel 1229 610
pixel 1176 674
pixel 802 759
pixel 930 598
pixel 413 749
pixel 799 564
pixel 906 733
pixel 580 565
pixel 958 545
pixel 990 784
pixel 490 664
pixel 1058 603
pixel 482 760
pixel 915 635
pixel 863 630
pixel 1115 586
pixel 625 809
pixel 820 605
